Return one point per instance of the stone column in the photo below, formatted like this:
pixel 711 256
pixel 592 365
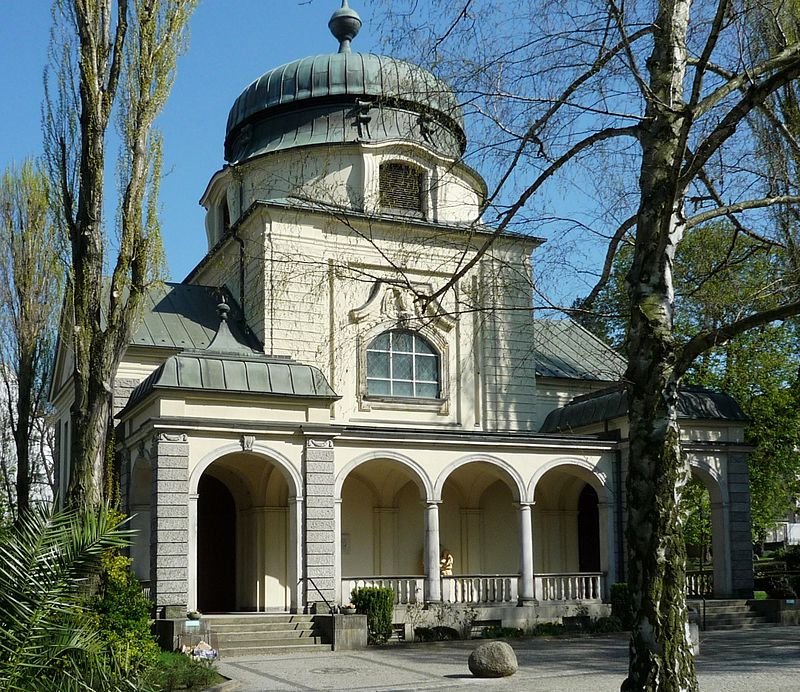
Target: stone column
pixel 740 542
pixel 192 551
pixel 526 593
pixel 433 579
pixel 319 526
pixel 337 554
pixel 169 534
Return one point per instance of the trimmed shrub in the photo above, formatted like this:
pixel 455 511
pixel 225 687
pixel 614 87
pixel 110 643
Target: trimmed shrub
pixel 621 604
pixel 377 603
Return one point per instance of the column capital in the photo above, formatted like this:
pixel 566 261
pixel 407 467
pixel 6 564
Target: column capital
pixel 318 436
pixel 174 438
pixel 525 505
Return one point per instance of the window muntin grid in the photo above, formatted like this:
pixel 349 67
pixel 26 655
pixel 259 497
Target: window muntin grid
pixel 401 363
pixel 400 187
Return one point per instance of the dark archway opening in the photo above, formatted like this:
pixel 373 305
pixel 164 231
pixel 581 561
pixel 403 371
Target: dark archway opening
pixel 216 547
pixel 588 531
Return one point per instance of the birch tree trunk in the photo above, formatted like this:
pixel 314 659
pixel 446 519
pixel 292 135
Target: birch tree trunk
pixel 661 657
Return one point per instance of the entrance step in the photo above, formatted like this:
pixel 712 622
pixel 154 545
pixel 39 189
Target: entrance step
pixel 730 614
pixel 244 634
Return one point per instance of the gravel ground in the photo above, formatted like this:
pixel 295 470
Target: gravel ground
pixel 741 661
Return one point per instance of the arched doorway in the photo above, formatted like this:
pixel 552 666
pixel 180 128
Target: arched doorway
pixel 216 547
pixel 243 550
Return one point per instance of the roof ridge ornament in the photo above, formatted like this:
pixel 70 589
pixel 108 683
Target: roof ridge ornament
pixel 345 24
pixel 224 341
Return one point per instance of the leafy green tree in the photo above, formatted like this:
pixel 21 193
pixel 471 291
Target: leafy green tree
pixel 719 274
pixel 696 506
pixel 31 277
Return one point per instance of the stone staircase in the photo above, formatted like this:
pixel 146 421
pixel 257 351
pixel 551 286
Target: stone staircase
pixel 245 634
pixel 731 614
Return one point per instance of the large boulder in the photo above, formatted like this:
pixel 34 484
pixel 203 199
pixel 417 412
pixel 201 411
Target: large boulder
pixel 493 660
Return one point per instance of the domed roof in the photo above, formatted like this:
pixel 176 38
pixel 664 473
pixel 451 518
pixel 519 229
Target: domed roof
pixel 344 97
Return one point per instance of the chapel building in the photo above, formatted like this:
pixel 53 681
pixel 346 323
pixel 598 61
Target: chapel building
pixel 318 406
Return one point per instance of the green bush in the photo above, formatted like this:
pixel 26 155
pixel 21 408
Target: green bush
pixel 498 632
pixel 621 604
pixel 122 616
pixel 779 587
pixel 606 624
pixel 548 629
pixel 759 595
pixel 438 633
pixel 791 556
pixel 377 603
pixel 176 671
pixel 48 638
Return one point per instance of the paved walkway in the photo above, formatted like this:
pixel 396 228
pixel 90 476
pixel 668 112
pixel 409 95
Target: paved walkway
pixel 765 659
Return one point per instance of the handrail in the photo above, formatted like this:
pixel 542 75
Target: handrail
pixel 330 607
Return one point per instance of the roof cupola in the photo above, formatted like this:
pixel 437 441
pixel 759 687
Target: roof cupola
pixel 342 98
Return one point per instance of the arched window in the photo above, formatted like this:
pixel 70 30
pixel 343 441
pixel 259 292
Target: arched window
pixel 401 363
pixel 401 187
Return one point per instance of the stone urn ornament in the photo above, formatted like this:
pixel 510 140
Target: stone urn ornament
pixel 493 660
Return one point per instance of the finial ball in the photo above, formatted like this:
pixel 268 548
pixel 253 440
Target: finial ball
pixel 344 25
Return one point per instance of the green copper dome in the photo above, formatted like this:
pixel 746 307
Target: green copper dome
pixel 344 97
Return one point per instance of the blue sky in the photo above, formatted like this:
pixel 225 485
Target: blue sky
pixel 232 43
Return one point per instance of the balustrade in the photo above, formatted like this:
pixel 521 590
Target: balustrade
pixel 406 589
pixel 581 586
pixel 476 588
pixel 699 583
pixel 487 589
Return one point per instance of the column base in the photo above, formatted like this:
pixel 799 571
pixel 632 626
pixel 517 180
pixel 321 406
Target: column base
pixel 527 602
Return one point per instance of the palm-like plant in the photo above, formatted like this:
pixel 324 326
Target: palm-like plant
pixel 47 640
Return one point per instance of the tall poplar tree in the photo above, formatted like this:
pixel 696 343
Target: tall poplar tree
pixel 30 289
pixel 109 58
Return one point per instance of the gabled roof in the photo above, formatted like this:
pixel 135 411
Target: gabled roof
pixel 184 316
pixel 566 350
pixel 694 403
